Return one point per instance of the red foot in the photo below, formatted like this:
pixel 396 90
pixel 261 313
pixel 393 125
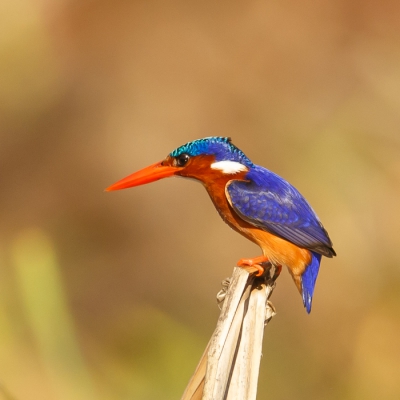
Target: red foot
pixel 253 262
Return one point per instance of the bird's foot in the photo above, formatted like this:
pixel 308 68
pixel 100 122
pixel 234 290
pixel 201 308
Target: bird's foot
pixel 250 264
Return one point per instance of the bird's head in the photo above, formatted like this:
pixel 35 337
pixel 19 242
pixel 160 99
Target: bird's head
pixel 202 159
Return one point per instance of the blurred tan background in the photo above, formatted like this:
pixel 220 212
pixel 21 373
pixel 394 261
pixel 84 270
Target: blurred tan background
pixel 112 295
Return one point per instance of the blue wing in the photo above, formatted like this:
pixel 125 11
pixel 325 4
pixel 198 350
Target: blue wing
pixel 266 200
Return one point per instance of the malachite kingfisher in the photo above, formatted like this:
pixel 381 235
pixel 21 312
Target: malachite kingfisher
pixel 253 201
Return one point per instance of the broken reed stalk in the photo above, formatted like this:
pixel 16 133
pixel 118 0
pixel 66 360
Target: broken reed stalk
pixel 228 369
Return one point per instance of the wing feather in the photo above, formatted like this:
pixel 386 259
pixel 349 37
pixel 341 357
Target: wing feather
pixel 277 207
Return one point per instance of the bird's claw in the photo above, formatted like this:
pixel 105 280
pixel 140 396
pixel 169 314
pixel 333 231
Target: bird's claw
pixel 249 264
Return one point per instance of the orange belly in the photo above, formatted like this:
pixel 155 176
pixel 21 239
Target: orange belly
pixel 280 251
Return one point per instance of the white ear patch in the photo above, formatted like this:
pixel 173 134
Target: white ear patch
pixel 229 167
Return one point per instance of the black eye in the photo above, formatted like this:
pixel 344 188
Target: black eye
pixel 181 160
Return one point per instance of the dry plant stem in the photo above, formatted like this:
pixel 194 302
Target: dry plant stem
pixel 234 351
pixel 195 387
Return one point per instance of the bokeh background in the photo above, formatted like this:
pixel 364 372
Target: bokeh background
pixel 112 295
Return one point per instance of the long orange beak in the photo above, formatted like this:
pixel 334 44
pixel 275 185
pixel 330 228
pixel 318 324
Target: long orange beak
pixel 146 175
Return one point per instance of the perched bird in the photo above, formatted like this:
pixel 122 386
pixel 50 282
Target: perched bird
pixel 253 201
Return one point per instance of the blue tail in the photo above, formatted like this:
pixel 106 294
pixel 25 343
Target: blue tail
pixel 308 280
